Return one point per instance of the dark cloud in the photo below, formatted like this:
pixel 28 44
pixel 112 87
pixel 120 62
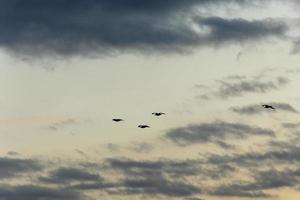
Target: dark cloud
pixel 158 177
pixel 263 180
pixel 273 178
pixel 68 175
pixel 68 27
pixel 260 165
pixel 94 185
pixel 238 190
pixel 31 192
pixel 257 108
pixel 279 155
pixel 11 167
pixel 77 179
pixel 240 30
pixel 158 185
pixel 214 132
pixel 170 167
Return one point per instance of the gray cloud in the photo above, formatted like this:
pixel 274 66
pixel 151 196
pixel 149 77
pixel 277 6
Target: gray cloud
pixel 238 190
pixel 279 154
pixel 11 167
pixel 193 198
pixel 67 27
pixel 31 192
pixel 240 30
pixel 291 125
pixel 257 108
pixel 68 175
pixel 296 47
pixel 170 167
pixel 214 132
pixel 237 86
pixel 158 177
pixel 156 185
pixel 229 89
pixel 263 180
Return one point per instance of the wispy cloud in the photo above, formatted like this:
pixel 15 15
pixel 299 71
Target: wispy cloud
pixel 56 126
pixel 257 108
pixel 214 132
pixel 238 86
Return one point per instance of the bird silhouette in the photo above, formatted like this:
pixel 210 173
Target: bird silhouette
pixel 268 106
pixel 143 126
pixel 158 113
pixel 117 120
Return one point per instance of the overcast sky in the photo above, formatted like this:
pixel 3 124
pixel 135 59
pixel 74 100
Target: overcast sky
pixel 68 67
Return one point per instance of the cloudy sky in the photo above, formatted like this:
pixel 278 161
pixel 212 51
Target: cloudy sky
pixel 69 66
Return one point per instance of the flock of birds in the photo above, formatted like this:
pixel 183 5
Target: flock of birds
pixel 141 125
pixel 161 113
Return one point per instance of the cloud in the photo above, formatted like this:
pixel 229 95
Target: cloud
pixel 57 126
pixel 142 147
pixel 214 132
pixel 156 185
pixel 193 198
pixel 238 190
pixel 68 175
pixel 67 27
pixel 238 86
pixel 240 30
pixel 158 177
pixel 13 153
pixel 257 108
pixel 229 89
pixel 263 180
pixel 280 154
pixel 113 148
pixel 291 125
pixel 170 167
pixel 31 192
pixel 296 47
pixel 12 167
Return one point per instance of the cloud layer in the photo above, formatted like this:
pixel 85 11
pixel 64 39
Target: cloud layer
pixel 215 132
pixel 67 27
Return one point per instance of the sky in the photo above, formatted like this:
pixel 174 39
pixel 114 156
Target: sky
pixel 68 67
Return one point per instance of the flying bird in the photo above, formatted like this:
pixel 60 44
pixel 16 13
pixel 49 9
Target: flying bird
pixel 117 120
pixel 268 106
pixel 158 113
pixel 143 126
